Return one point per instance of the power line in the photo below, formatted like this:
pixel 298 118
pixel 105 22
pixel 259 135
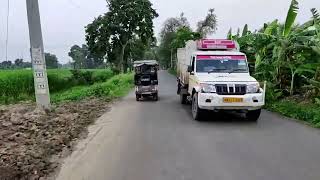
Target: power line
pixel 74 4
pixel 7 38
pixel 78 6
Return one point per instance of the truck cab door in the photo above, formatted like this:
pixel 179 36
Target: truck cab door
pixel 192 77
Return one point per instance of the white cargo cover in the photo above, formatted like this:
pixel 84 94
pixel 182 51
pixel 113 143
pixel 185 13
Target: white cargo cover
pixel 184 59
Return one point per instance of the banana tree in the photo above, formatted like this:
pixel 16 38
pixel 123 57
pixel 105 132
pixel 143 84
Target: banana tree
pixel 282 44
pixel 291 17
pixel 299 70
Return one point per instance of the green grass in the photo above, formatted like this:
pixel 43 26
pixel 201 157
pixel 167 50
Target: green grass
pixel 115 87
pixel 18 85
pixel 309 113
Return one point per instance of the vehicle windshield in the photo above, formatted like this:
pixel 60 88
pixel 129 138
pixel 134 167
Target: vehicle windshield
pixel 226 64
pixel 145 69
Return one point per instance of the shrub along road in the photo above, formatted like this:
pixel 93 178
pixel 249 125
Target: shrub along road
pixel 160 141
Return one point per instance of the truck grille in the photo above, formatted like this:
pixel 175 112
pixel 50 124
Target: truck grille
pixel 231 89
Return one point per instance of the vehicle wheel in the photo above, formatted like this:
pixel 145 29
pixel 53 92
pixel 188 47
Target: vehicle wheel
pixel 183 98
pixel 138 97
pixel 197 113
pixel 179 89
pixel 156 97
pixel 254 115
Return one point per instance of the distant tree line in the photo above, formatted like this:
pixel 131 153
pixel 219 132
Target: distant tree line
pixel 51 63
pixel 176 31
pixel 84 59
pixel 17 64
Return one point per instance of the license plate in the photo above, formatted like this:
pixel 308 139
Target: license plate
pixel 147 88
pixel 232 100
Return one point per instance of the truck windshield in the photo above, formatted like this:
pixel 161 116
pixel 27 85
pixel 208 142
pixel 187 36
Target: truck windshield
pixel 227 64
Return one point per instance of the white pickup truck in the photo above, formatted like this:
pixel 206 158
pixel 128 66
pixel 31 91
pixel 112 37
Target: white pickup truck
pixel 214 75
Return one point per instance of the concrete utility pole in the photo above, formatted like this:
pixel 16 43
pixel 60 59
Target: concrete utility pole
pixel 37 55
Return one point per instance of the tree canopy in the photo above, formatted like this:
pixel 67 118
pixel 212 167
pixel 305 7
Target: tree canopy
pixel 115 30
pixel 208 25
pixel 176 31
pixel 51 61
pixel 83 59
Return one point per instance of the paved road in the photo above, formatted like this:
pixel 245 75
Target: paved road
pixel 160 141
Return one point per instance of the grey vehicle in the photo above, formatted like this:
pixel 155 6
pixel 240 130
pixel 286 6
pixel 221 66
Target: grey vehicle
pixel 146 79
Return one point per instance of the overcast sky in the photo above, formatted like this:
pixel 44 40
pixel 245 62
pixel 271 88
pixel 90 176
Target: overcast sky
pixel 63 21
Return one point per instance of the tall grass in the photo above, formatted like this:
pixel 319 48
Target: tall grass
pixel 16 85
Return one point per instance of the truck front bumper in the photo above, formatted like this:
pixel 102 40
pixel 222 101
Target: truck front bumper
pixel 212 101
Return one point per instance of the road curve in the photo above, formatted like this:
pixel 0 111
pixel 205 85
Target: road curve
pixel 160 141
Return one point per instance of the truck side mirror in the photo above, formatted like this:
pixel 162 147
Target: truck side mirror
pixel 251 68
pixel 190 69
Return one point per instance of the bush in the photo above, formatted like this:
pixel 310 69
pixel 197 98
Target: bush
pixel 306 112
pixel 89 77
pixel 115 87
pixel 273 94
pixel 102 75
pixel 59 80
pixel 81 77
pixel 172 71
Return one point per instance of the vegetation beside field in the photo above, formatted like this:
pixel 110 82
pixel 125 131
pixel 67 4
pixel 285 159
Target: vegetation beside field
pixel 18 85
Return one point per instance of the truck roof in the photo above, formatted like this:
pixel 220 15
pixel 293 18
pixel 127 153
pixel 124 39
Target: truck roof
pixel 223 53
pixel 147 62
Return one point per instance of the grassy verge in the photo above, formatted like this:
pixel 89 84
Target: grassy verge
pixel 309 113
pixel 115 87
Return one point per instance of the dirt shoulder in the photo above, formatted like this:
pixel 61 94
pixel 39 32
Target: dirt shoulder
pixel 32 141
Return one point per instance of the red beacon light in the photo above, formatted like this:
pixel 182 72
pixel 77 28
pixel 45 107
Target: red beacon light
pixel 216 44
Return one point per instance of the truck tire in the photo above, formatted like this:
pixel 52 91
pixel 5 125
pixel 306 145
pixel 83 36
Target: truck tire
pixel 138 97
pixel 156 97
pixel 197 113
pixel 254 115
pixel 179 89
pixel 183 98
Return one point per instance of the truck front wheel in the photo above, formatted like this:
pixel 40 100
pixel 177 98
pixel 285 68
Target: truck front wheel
pixel 253 115
pixel 197 113
pixel 138 96
pixel 156 97
pixel 183 98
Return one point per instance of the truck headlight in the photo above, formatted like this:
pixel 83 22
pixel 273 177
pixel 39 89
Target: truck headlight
pixel 208 88
pixel 253 88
